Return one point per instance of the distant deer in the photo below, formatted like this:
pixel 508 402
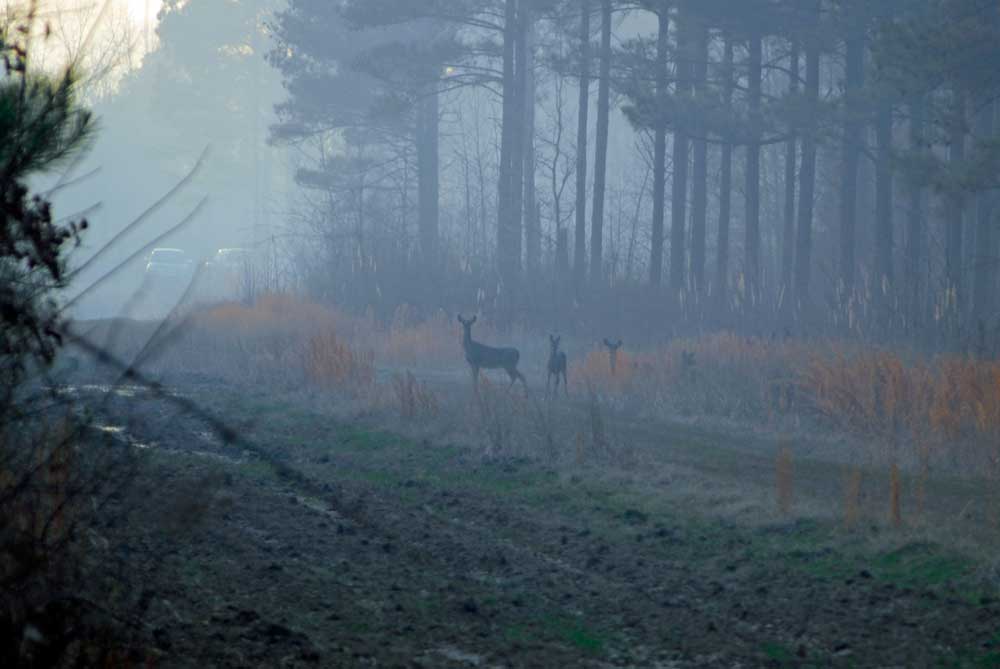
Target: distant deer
pixel 480 356
pixel 613 354
pixel 557 365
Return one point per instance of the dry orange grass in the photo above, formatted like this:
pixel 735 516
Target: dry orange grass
pixel 946 401
pixel 406 340
pixel 329 363
pixel 921 408
pixel 409 341
pixel 721 374
pixel 279 339
pixel 270 312
pixel 415 399
pixel 906 409
pixel 595 372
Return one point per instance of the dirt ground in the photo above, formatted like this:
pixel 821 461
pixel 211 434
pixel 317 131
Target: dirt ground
pixel 318 541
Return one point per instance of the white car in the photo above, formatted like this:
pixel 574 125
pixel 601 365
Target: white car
pixel 169 264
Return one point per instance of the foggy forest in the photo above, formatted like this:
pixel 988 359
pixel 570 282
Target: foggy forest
pixel 500 333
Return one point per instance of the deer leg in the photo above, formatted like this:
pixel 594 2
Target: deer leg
pixel 565 383
pixel 548 380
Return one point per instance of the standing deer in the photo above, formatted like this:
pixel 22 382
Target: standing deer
pixel 480 356
pixel 557 365
pixel 613 354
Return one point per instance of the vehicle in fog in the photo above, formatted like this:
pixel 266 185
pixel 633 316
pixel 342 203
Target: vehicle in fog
pixel 166 264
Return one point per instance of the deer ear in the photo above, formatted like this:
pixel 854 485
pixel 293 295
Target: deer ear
pixel 619 344
pixel 473 319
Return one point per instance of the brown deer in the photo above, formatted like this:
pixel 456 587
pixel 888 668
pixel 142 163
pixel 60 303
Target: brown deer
pixel 613 354
pixel 557 365
pixel 480 356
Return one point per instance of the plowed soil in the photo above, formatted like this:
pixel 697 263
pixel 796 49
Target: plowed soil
pixel 319 542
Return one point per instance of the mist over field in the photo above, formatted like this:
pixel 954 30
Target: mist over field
pixel 541 333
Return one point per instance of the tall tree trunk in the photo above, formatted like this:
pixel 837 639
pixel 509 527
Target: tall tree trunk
pixel 752 191
pixel 916 225
pixel 699 197
pixel 428 175
pixel 725 187
pixel 517 145
pixel 580 249
pixel 678 196
pixel 955 217
pixel 883 203
pixel 659 151
pixel 791 158
pixel 807 176
pixel 984 272
pixel 508 233
pixel 533 232
pixel 601 151
pixel 562 254
pixel 851 149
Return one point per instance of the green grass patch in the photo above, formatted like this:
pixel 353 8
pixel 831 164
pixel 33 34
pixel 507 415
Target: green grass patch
pixel 560 629
pixel 779 653
pixel 369 440
pixel 580 637
pixel 921 565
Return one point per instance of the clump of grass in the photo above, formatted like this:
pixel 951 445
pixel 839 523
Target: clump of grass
pixel 595 372
pixel 784 480
pixel 598 436
pixel 412 341
pixel 716 375
pixel 331 364
pixel 414 399
pixel 879 395
pixel 497 418
pixel 543 418
pixel 852 497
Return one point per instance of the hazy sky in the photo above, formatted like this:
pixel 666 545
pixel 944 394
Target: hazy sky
pixel 72 19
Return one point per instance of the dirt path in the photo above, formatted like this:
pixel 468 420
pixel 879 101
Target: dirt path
pixel 382 551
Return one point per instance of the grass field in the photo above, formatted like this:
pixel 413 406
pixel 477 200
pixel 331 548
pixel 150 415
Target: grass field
pixel 374 512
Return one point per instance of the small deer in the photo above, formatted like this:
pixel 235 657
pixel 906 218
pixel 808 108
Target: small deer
pixel 557 365
pixel 480 356
pixel 613 354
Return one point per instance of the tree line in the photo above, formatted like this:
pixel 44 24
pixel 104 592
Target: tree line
pixel 813 164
